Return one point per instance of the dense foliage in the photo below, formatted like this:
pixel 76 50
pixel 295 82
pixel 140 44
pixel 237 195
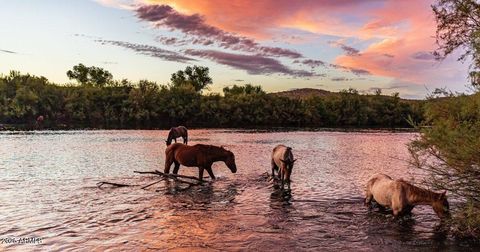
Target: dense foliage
pixel 121 104
pixel 449 147
pixel 449 151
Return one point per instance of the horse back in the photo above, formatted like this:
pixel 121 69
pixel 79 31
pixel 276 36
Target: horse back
pixel 183 154
pixel 281 152
pixel 383 188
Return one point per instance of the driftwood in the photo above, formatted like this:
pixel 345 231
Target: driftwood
pixel 169 175
pixel 158 173
pixel 172 176
pixel 100 184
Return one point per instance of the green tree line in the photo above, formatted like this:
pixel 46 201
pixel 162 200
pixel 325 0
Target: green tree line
pixel 97 101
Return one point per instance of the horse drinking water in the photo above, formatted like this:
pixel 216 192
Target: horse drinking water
pixel 177 132
pixel 402 197
pixel 282 162
pixel 199 155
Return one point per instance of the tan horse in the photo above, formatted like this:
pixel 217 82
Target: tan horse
pixel 282 161
pixel 176 132
pixel 402 197
pixel 199 155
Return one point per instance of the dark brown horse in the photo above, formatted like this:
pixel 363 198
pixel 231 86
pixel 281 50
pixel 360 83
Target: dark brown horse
pixel 199 155
pixel 402 197
pixel 176 132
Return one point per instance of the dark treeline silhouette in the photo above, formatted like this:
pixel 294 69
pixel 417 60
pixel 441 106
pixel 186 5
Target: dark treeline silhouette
pixel 100 102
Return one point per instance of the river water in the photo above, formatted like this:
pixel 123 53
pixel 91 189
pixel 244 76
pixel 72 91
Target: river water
pixel 48 191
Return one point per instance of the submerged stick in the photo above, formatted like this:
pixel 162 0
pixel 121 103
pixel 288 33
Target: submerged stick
pixel 156 182
pixel 100 184
pixel 174 176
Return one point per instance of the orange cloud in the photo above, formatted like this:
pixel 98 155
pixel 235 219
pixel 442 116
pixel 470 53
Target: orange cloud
pixel 258 18
pixel 407 30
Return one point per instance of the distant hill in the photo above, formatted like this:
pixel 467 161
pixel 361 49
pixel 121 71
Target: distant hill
pixel 303 93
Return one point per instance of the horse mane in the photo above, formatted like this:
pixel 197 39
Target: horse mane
pixel 287 154
pixel 419 194
pixel 212 148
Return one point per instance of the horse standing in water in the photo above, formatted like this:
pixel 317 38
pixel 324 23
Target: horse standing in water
pixel 282 161
pixel 402 197
pixel 199 155
pixel 176 132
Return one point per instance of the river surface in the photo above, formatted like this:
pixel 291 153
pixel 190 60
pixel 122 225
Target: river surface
pixel 48 191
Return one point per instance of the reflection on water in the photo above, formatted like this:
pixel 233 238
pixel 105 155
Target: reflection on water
pixel 48 191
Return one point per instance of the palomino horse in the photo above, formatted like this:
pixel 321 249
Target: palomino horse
pixel 282 161
pixel 176 132
pixel 402 197
pixel 199 155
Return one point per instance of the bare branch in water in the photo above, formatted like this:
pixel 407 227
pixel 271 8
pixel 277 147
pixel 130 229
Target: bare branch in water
pixel 100 184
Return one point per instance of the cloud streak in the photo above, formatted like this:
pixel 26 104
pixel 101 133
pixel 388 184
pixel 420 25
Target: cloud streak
pixel 423 56
pixel 7 51
pixel 350 51
pixel 152 51
pixel 310 62
pixel 253 64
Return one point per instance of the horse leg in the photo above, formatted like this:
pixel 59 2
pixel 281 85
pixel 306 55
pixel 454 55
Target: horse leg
pixel 274 167
pixel 175 139
pixel 210 172
pixel 176 167
pixel 397 205
pixel 282 176
pixel 200 173
pixel 369 197
pixel 168 162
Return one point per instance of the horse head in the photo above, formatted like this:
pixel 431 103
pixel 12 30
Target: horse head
pixel 440 205
pixel 230 161
pixel 170 136
pixel 289 165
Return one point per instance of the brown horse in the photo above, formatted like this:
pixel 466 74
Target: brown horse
pixel 282 161
pixel 402 197
pixel 176 132
pixel 199 155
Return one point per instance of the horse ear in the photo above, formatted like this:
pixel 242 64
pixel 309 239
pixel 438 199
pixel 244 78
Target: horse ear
pixel 294 161
pixel 442 195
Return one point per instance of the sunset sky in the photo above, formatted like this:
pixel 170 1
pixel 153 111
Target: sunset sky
pixel 277 44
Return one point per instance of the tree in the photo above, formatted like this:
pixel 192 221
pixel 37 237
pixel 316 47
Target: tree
pixel 448 149
pixel 247 89
pixel 197 76
pixel 90 76
pixel 458 27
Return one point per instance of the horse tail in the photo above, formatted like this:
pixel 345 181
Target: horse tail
pixel 186 135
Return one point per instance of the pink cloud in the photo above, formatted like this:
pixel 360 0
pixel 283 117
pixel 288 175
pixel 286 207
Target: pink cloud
pixel 195 25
